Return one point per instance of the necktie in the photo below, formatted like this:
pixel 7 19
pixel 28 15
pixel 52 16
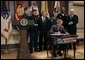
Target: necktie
pixel 43 19
pixel 71 17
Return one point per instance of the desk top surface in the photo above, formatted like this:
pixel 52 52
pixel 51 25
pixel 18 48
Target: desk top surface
pixel 57 34
pixel 63 35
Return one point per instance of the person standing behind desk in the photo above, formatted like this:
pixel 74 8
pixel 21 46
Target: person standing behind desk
pixel 72 22
pixel 44 27
pixel 62 15
pixel 58 28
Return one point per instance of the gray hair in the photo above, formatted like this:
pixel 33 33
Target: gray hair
pixel 72 10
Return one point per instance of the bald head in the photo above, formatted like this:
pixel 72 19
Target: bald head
pixel 72 11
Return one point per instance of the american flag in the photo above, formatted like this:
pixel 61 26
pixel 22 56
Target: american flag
pixel 6 26
pixel 57 6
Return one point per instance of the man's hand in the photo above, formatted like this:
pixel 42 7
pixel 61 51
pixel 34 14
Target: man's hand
pixel 67 33
pixel 36 24
pixel 57 32
pixel 70 23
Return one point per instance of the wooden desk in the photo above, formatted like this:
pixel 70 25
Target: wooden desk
pixel 62 37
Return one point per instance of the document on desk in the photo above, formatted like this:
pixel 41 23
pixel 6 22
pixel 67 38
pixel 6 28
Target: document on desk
pixel 65 39
pixel 58 34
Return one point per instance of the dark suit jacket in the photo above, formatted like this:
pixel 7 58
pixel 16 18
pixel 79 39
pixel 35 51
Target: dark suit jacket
pixel 34 20
pixel 64 18
pixel 72 29
pixel 46 25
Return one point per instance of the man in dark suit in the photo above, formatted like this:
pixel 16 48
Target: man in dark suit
pixel 72 22
pixel 44 27
pixel 34 30
pixel 27 16
pixel 63 16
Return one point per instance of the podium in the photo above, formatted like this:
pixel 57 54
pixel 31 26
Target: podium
pixel 23 51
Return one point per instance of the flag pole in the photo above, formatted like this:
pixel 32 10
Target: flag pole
pixel 6 51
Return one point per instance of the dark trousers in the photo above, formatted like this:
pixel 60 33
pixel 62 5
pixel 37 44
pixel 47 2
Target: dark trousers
pixel 43 40
pixel 33 40
pixel 72 30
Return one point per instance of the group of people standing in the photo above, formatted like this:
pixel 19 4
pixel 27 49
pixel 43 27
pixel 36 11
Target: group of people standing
pixel 42 24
